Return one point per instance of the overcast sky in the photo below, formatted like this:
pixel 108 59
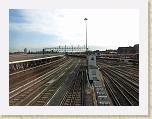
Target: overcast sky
pixel 107 29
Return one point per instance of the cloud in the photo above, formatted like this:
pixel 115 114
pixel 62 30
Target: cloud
pixel 105 27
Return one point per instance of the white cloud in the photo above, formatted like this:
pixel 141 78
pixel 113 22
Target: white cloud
pixel 105 27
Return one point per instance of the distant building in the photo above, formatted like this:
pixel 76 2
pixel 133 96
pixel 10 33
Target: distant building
pixel 136 47
pixel 128 50
pixel 125 50
pixel 25 50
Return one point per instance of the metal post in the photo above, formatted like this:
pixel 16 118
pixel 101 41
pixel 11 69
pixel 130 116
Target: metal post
pixel 43 51
pixel 65 49
pixel 86 33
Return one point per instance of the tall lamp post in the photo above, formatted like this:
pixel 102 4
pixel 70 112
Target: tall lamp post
pixel 86 33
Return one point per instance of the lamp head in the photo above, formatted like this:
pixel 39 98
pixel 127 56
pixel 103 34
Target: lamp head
pixel 85 19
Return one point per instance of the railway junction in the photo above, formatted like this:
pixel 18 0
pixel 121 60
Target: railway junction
pixel 73 80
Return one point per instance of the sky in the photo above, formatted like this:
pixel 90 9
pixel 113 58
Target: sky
pixel 107 28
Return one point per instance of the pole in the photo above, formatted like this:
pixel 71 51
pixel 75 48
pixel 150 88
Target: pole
pixel 65 49
pixel 86 33
pixel 86 41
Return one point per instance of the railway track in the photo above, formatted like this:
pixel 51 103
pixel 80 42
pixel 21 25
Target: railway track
pixel 75 94
pixel 131 71
pixel 129 76
pixel 133 78
pixel 121 93
pixel 42 76
pixel 122 82
pixel 123 79
pixel 21 78
pixel 26 91
pixel 50 91
pixel 112 93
